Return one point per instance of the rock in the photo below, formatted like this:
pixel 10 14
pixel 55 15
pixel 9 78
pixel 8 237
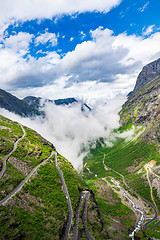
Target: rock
pixel 148 73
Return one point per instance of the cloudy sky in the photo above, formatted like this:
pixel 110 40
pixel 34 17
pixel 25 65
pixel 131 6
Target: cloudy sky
pixel 89 49
pixel 76 48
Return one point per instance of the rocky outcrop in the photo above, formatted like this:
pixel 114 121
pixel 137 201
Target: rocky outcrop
pixel 148 73
pixel 143 108
pixel 21 166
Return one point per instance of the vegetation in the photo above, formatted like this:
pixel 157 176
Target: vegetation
pixel 122 159
pixel 39 210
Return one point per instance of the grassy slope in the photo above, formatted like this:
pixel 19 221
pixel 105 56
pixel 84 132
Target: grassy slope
pixel 125 158
pixel 128 159
pixel 144 108
pixel 39 210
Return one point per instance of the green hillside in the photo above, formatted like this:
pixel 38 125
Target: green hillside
pixel 143 108
pixel 131 166
pixel 39 210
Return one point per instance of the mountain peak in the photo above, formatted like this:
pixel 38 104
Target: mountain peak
pixel 148 73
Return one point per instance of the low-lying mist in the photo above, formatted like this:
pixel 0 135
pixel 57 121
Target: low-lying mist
pixel 68 127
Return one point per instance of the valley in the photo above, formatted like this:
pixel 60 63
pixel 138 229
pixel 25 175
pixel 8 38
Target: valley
pixel 127 186
pixel 116 195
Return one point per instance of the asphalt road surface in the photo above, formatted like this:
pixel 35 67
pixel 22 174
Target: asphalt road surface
pixel 24 181
pixel 65 190
pixel 75 231
pixel 85 217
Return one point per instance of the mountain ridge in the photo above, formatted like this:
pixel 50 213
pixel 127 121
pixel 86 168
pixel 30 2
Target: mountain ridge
pixel 31 106
pixel 143 108
pixel 148 73
pixel 14 104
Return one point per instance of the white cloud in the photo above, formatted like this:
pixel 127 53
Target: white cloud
pixel 105 66
pixel 148 30
pixel 3 32
pixel 19 42
pixel 12 51
pixel 71 39
pixel 144 7
pixel 68 127
pixel 47 38
pixel 39 9
pixel 83 35
pixel 140 49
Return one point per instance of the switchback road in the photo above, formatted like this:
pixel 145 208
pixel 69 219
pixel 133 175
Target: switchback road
pixel 75 231
pixel 3 201
pixel 14 148
pixel 65 190
pixel 85 216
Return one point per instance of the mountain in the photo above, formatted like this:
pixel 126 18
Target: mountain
pixel 41 194
pixel 148 73
pixel 38 102
pixel 124 168
pixel 13 104
pixel 143 108
pixel 31 106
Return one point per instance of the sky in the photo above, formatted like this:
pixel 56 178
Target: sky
pixel 92 50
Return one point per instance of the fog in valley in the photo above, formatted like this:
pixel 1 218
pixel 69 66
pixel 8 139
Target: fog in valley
pixel 68 127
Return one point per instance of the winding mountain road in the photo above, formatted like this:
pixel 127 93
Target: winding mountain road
pixel 3 201
pixel 14 148
pixel 151 191
pixel 65 190
pixel 75 230
pixel 85 216
pixel 155 209
pixel 141 220
pixel 151 206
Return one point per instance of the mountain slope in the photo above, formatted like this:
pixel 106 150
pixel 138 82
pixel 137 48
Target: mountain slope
pixel 39 210
pixel 13 104
pixel 124 169
pixel 143 108
pixel 148 73
pixel 31 106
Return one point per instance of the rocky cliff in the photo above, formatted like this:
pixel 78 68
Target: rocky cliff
pixel 143 108
pixel 148 73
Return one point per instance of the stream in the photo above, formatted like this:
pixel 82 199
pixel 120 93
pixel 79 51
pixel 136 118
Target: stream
pixel 141 220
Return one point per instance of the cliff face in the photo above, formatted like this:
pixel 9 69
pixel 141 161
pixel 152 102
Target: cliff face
pixel 143 108
pixel 148 73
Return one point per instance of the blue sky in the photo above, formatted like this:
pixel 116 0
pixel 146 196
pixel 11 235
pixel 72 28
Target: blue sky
pixel 91 50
